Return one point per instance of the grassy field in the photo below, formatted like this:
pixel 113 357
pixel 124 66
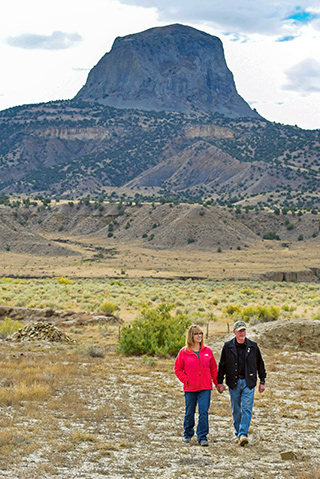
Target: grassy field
pixel 202 300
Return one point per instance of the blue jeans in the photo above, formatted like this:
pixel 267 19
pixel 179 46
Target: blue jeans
pixel 241 398
pixel 202 398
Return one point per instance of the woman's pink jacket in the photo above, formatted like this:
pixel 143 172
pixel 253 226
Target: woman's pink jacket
pixel 195 373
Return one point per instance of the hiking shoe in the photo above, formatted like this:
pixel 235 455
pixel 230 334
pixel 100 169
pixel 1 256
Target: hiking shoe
pixel 203 442
pixel 186 439
pixel 243 440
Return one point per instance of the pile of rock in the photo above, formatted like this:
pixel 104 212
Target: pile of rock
pixel 40 332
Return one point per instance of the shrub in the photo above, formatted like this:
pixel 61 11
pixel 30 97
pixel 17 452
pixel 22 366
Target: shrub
pixel 288 308
pixel 232 309
pixel 95 351
pixel 108 307
pixel 248 291
pixel 63 280
pixel 9 327
pixel 271 235
pixel 261 313
pixel 154 332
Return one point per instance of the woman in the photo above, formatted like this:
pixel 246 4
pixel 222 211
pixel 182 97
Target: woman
pixel 196 368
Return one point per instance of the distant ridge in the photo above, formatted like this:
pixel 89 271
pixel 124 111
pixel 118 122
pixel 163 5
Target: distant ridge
pixel 171 68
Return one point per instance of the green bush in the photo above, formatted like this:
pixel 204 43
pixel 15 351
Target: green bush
pixel 232 309
pixel 261 313
pixel 154 332
pixel 108 307
pixel 271 235
pixel 64 280
pixel 9 327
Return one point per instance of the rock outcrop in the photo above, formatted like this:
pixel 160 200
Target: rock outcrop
pixel 171 68
pixel 61 318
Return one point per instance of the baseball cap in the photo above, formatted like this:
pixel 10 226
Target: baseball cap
pixel 239 325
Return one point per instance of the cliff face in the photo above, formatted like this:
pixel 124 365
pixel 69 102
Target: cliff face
pixel 172 68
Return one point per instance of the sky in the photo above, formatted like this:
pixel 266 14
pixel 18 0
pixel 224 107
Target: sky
pixel 47 48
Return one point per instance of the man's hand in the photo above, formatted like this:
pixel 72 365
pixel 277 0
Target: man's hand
pixel 221 388
pixel 261 388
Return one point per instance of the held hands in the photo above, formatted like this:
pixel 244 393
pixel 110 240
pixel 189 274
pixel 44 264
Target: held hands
pixel 221 388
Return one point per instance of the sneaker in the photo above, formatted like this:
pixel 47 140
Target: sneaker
pixel 236 439
pixel 203 442
pixel 186 439
pixel 243 440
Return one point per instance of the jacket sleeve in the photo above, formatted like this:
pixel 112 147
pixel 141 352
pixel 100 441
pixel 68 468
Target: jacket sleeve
pixel 179 367
pixel 214 370
pixel 222 366
pixel 260 367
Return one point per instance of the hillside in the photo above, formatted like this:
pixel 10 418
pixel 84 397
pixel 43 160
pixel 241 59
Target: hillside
pixel 161 240
pixel 157 226
pixel 69 149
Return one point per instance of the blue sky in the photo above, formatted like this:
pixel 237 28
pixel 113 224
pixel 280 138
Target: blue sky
pixel 272 48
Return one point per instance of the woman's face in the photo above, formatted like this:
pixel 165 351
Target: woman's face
pixel 197 338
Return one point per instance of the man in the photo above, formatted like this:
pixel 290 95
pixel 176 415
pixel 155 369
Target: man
pixel 240 362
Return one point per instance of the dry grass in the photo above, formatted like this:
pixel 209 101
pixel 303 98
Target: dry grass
pixel 133 261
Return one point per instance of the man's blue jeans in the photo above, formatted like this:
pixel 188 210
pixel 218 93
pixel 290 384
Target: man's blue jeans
pixel 202 398
pixel 241 398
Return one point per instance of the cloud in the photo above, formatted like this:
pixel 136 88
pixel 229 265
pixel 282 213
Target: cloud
pixel 55 41
pixel 304 77
pixel 266 17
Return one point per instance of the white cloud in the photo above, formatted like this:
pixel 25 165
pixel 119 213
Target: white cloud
pixel 265 17
pixel 304 77
pixel 55 41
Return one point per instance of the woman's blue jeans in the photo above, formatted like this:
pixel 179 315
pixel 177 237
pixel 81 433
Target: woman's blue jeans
pixel 202 398
pixel 241 398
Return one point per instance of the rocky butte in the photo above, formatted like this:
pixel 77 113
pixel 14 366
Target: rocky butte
pixel 171 68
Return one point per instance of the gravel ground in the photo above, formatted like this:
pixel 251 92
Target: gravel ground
pixel 121 417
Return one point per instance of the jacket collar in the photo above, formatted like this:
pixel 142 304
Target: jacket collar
pixel 189 351
pixel 233 347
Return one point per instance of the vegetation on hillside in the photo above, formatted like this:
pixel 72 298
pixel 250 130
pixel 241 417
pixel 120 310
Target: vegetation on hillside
pixel 73 149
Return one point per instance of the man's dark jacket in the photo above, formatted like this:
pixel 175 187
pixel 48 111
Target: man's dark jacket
pixel 228 365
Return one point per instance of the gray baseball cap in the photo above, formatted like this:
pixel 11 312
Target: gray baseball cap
pixel 239 325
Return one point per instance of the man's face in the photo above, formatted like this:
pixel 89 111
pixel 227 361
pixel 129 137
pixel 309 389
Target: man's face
pixel 241 335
